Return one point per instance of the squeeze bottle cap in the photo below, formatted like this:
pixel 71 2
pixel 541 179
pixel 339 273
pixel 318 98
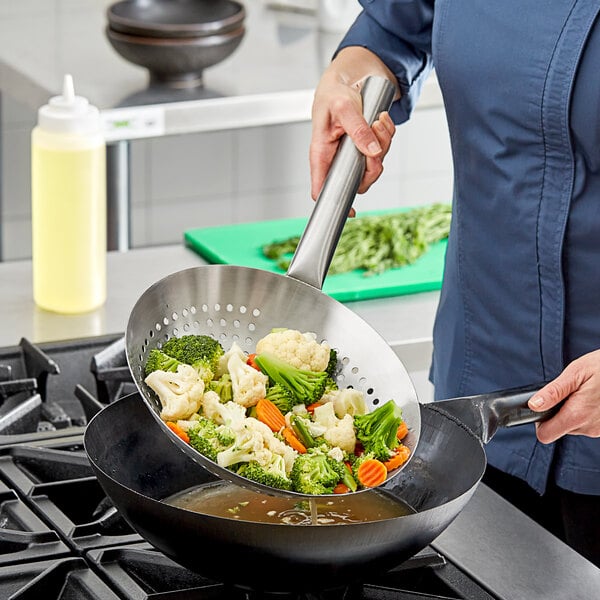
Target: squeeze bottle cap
pixel 69 113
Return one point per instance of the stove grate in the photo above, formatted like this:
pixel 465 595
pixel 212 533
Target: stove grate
pixel 60 536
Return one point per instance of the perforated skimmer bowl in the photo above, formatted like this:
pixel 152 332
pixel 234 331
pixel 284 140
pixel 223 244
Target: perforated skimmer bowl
pixel 240 304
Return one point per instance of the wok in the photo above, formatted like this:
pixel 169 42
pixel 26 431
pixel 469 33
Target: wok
pixel 137 465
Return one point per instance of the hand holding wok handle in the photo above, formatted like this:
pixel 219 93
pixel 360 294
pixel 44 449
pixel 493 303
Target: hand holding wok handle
pixel 484 413
pixel 319 240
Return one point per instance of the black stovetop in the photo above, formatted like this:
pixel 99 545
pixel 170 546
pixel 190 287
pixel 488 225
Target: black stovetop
pixel 60 536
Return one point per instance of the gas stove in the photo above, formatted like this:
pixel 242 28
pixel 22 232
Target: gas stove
pixel 60 536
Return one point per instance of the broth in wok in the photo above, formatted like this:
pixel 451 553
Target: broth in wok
pixel 230 501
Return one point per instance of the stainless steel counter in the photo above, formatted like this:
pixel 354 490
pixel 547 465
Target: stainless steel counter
pixel 402 320
pixel 512 556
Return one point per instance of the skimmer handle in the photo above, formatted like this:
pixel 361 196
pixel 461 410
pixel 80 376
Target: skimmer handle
pixel 320 238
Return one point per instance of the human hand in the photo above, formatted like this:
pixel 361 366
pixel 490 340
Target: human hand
pixel 337 110
pixel 579 386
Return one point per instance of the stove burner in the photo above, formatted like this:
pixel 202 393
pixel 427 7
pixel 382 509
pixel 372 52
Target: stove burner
pixel 113 378
pixel 54 579
pixel 61 537
pixel 141 572
pixel 23 536
pixel 43 388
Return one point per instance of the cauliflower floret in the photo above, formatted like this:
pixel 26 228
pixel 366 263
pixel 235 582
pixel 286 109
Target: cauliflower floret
pixel 336 453
pixel 273 443
pixel 346 402
pixel 300 350
pixel 299 409
pixel 211 406
pixel 231 413
pixel 187 424
pixel 180 393
pixel 315 429
pixel 338 432
pixel 249 445
pixel 342 434
pixel 222 367
pixel 248 384
pixel 277 446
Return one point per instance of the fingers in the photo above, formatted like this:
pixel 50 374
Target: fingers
pixel 384 129
pixel 320 156
pixel 323 149
pixel 337 110
pixel 579 386
pixel 578 416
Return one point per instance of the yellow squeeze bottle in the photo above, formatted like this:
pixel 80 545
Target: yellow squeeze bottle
pixel 68 194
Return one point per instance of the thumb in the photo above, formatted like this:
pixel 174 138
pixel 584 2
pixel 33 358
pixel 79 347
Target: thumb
pixel 553 393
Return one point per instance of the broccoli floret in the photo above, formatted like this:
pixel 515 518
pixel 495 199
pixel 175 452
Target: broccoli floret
pixel 159 361
pixel 222 386
pixel 331 385
pixel 200 351
pixel 377 430
pixel 281 397
pixel 306 386
pixel 301 430
pixel 315 473
pixel 346 475
pixel 332 364
pixel 272 475
pixel 209 438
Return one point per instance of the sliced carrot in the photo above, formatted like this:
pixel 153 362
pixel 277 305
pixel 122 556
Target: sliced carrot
pixel 371 473
pixel 402 430
pixel 250 361
pixel 311 407
pixel 292 439
pixel 341 488
pixel 399 458
pixel 177 430
pixel 269 414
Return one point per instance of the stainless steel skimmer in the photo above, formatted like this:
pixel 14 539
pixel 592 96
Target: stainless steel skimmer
pixel 240 304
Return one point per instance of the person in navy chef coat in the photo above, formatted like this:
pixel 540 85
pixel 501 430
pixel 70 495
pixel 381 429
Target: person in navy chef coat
pixel 520 302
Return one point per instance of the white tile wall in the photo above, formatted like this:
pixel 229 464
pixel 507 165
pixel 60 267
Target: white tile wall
pixel 197 180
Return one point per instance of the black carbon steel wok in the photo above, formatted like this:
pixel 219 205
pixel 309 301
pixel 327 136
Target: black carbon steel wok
pixel 137 465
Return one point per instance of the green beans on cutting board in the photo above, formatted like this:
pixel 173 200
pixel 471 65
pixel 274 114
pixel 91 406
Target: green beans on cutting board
pixel 376 243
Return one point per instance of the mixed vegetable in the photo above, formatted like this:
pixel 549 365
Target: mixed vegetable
pixel 276 416
pixel 377 243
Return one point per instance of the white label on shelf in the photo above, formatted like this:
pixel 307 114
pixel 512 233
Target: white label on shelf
pixel 132 123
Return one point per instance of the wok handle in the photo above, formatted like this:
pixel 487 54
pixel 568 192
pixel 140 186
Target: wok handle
pixel 510 406
pixel 484 413
pixel 319 240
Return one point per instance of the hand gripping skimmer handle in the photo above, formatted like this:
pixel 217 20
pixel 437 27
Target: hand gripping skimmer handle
pixel 319 240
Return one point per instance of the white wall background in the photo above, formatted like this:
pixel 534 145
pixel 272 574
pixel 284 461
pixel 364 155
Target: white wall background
pixel 217 178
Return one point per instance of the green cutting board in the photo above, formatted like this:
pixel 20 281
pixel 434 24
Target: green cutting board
pixel 241 244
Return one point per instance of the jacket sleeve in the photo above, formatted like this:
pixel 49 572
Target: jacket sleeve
pixel 399 32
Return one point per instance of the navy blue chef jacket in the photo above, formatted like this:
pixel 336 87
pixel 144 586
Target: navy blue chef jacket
pixel 521 295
